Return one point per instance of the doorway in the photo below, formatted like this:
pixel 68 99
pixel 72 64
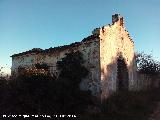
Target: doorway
pixel 122 75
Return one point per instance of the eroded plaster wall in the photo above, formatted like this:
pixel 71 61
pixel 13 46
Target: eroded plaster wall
pixel 100 52
pixel 115 40
pixel 23 61
pixel 90 50
pixel 29 60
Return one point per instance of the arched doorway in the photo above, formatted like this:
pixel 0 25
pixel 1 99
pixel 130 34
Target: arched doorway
pixel 122 75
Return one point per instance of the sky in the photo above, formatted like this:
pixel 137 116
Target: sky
pixel 27 24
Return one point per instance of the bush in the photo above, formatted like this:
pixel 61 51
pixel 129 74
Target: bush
pixel 27 95
pixel 147 65
pixel 71 73
pixel 39 93
pixel 126 106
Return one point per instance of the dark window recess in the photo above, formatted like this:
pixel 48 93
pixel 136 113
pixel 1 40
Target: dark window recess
pixel 122 75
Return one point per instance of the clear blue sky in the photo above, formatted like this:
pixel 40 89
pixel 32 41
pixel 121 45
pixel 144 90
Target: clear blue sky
pixel 27 24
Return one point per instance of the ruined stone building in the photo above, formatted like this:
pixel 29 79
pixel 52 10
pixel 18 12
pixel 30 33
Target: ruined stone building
pixel 108 53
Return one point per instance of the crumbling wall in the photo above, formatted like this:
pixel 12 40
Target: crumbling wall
pixel 29 60
pixel 91 52
pixel 24 61
pixel 108 54
pixel 115 40
pixel 100 52
pixel 146 82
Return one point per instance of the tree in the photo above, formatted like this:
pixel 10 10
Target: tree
pixel 42 66
pixel 72 71
pixel 72 68
pixel 147 65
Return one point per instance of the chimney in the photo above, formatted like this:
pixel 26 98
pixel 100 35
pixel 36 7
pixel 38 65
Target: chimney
pixel 117 18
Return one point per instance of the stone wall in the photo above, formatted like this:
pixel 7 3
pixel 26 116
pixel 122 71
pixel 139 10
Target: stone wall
pixel 146 82
pixel 100 52
pixel 91 52
pixel 115 40
pixel 29 60
pixel 89 49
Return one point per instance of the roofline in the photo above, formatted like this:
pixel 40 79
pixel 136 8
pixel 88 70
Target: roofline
pixel 59 48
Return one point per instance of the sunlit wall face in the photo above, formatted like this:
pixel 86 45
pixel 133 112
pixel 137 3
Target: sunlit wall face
pixel 115 42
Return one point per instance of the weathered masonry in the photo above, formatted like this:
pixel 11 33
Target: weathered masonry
pixel 108 53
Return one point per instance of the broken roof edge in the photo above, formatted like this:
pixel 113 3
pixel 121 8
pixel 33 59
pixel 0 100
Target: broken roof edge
pixel 58 48
pixel 95 34
pixel 34 50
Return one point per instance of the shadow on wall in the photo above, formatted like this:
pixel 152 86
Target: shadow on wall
pixel 118 76
pixel 122 75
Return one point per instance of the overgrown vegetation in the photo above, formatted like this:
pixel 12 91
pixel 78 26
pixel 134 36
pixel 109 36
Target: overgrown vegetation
pixel 34 92
pixel 126 106
pixel 147 65
pixel 38 93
